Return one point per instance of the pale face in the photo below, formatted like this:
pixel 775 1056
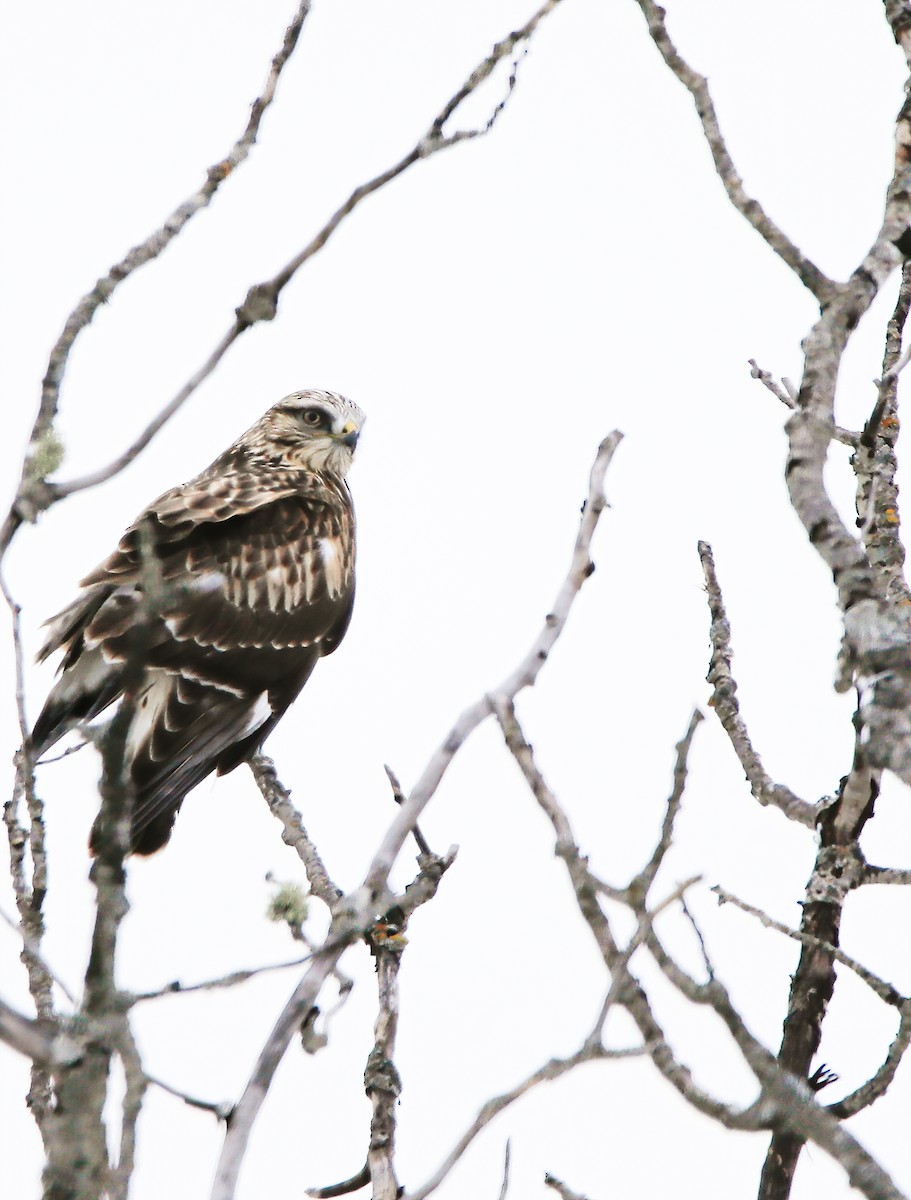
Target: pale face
pixel 313 430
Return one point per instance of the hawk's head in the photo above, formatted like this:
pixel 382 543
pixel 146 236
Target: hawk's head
pixel 310 430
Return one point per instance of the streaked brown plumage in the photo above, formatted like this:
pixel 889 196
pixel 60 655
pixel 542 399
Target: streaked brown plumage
pixel 251 581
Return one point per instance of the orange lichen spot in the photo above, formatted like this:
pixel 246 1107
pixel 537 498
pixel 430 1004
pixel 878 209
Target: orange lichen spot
pixel 891 516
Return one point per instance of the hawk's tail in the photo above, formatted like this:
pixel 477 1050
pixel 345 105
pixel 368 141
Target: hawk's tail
pixel 181 730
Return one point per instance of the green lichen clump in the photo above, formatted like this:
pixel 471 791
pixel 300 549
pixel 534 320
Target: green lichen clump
pixel 288 905
pixel 46 456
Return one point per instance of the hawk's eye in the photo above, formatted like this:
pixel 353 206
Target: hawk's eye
pixel 313 417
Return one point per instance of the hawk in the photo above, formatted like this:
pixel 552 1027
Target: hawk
pixel 215 607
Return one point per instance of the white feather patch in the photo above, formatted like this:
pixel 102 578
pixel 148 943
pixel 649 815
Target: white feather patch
pixel 259 714
pixel 275 588
pixel 332 563
pixel 149 703
pixel 306 566
pixel 208 581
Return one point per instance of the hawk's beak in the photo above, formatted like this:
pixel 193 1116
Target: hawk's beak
pixel 349 435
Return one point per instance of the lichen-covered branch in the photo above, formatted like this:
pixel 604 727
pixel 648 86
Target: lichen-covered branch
pixel 727 707
pixel 381 1078
pixel 875 463
pixel 294 834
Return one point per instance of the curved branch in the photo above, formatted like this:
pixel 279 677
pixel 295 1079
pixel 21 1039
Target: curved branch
pixel 34 494
pixel 523 676
pixel 726 706
pixel 261 301
pixel 697 85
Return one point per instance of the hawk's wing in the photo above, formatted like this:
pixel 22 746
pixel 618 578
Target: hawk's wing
pixel 247 583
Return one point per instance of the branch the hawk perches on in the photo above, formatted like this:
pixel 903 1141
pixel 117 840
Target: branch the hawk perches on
pixel 248 580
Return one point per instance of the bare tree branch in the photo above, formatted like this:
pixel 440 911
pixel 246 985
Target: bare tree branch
pixel 879 1082
pixel 877 1085
pixel 725 703
pixel 399 796
pixel 222 1110
pixel 874 462
pixel 347 925
pixel 884 990
pixel 222 981
pixel 381 1079
pixel 354 1184
pixel 29 891
pixel 696 84
pixel 625 989
pixel 787 394
pixel 42 1041
pixel 352 915
pixel 897 875
pixel 504 1186
pixel 836 871
pixel 134 1093
pixel 553 1069
pixel 565 1191
pixel 34 494
pixel 786 1101
pixel 641 885
pixel 294 834
pixel 35 952
pixel 261 302
pixel 523 676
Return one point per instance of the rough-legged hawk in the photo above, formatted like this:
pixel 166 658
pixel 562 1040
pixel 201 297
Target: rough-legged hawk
pixel 216 604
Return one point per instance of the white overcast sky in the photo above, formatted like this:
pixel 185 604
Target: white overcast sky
pixel 495 312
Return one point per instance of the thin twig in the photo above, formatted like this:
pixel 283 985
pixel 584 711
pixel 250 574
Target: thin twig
pixel 261 302
pixel 885 991
pixel 566 1192
pixel 879 1082
pixel 294 834
pixel 176 988
pixel 553 1069
pixel 35 951
pixel 29 892
pixel 43 762
pixel 354 1184
pixel 751 209
pixel 399 796
pixel 646 877
pixel 221 1109
pixel 787 394
pixel 504 1186
pixel 42 1041
pixel 33 493
pixel 725 703
pixel 625 988
pixel 522 677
